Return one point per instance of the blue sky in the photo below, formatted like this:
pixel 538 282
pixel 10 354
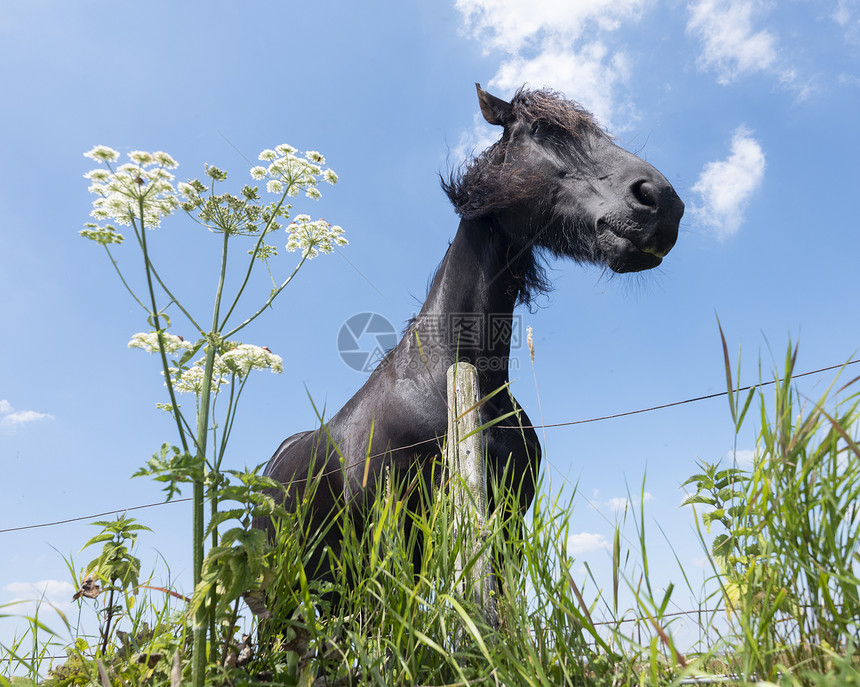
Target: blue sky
pixel 748 107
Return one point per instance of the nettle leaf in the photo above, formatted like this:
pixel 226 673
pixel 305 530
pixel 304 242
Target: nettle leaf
pixel 708 518
pixel 267 509
pixel 721 546
pixel 232 493
pixel 728 473
pixel 736 511
pixel 698 479
pixel 223 516
pixel 104 536
pixel 172 466
pixel 698 498
pixel 726 494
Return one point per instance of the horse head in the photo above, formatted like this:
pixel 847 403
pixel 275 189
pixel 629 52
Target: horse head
pixel 556 180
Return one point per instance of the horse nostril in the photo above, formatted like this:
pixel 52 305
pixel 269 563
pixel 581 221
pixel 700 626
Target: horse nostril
pixel 645 193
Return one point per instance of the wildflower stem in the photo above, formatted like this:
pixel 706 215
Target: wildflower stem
pixel 269 301
pixel 199 639
pixel 124 282
pixel 201 628
pixel 156 321
pixel 141 239
pixel 230 417
pixel 263 232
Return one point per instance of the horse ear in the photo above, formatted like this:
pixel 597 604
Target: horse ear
pixel 495 110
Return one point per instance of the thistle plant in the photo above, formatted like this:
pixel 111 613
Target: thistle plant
pixel 142 194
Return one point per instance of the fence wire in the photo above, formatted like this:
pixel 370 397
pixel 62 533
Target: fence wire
pixel 435 439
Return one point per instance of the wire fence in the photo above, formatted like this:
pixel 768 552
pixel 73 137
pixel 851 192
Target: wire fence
pixel 569 423
pixel 699 613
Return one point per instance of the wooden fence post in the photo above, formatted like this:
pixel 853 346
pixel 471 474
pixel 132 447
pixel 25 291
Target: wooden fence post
pixel 467 480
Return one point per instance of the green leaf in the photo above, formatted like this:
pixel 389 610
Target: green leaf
pixel 696 478
pixel 697 498
pixel 104 536
pixel 721 546
pixel 189 354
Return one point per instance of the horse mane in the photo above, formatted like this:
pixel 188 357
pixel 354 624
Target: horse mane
pixel 487 183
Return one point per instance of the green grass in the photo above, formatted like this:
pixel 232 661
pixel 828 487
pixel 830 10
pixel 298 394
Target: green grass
pixel 783 538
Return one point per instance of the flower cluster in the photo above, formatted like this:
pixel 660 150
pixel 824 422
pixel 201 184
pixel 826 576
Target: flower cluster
pixel 139 190
pixel 289 174
pixel 101 235
pixel 238 361
pixel 246 357
pixel 190 379
pixel 143 190
pixel 235 363
pixel 148 341
pixel 313 237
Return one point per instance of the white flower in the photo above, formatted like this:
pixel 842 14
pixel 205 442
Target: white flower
pixel 133 192
pixel 314 237
pixel 314 156
pixel 187 190
pixel 190 381
pixel 285 150
pixel 313 193
pixel 98 175
pixel 246 357
pixel 330 177
pixel 148 341
pixel 158 174
pixel 274 186
pixel 165 160
pixel 258 172
pixel 102 154
pixel 268 155
pixel 141 157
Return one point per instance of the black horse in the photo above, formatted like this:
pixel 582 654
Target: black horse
pixel 554 181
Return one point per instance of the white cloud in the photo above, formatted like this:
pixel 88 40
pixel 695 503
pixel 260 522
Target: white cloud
pixel 511 25
pixel 542 40
pixel 618 503
pixel 744 457
pixel 54 593
pixel 845 15
pixel 583 542
pixel 12 421
pixel 726 186
pixel 590 75
pixel 731 45
pixel 622 503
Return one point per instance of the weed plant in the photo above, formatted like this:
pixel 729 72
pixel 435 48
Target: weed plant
pixel 787 558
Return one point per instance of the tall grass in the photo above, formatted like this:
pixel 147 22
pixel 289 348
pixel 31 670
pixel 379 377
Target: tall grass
pixel 395 620
pixel 783 536
pixel 788 557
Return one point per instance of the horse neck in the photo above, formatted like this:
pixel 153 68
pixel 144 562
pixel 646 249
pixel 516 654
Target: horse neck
pixel 468 313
